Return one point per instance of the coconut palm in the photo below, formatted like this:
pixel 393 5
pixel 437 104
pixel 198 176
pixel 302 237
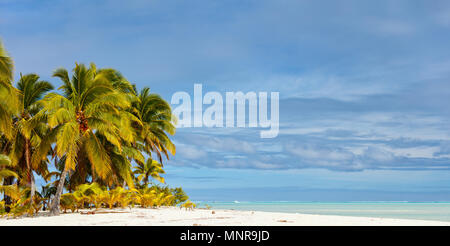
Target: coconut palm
pixel 90 194
pixel 6 172
pixel 94 130
pixel 5 162
pixel 121 173
pixel 26 135
pixel 179 195
pixel 155 116
pixel 6 65
pixel 9 103
pixel 117 196
pixel 90 107
pixel 151 168
pixel 47 192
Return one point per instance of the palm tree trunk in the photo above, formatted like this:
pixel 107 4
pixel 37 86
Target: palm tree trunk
pixel 8 200
pixel 54 207
pixel 30 169
pixel 33 186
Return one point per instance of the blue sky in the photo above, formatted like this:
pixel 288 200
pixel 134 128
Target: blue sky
pixel 364 87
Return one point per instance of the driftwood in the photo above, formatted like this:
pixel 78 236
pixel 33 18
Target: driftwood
pixel 282 221
pixel 104 212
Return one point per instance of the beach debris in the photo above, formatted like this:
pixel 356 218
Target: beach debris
pixel 282 221
pixel 213 212
pixel 112 212
pixel 105 212
pixel 88 212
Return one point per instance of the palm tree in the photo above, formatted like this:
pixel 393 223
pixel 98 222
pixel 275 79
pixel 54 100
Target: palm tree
pixel 90 107
pixel 155 115
pixel 9 105
pixel 120 157
pixel 47 192
pixel 6 172
pixel 94 130
pixel 121 173
pixel 5 162
pixel 26 135
pixel 151 168
pixel 6 65
pixel 179 195
pixel 9 102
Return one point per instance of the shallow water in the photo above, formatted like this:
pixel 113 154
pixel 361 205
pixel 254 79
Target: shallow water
pixel 400 210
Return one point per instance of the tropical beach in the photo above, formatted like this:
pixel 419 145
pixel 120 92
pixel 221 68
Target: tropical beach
pixel 100 143
pixel 206 217
pixel 209 113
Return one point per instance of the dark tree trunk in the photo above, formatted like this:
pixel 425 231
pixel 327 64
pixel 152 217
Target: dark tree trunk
pixel 145 181
pixel 8 200
pixel 29 167
pixel 54 207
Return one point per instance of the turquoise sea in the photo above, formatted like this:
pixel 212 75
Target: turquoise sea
pixel 402 210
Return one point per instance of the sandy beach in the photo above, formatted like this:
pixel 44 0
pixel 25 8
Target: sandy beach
pixel 203 217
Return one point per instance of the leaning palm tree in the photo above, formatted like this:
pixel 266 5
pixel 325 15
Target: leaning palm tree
pixel 90 107
pixel 27 136
pixel 151 168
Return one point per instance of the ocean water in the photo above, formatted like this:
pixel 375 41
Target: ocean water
pixel 400 210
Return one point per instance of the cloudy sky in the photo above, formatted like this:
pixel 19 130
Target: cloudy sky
pixel 364 87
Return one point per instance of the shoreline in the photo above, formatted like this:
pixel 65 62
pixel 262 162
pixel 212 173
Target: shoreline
pixel 171 216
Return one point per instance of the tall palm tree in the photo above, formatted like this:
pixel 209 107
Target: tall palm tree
pixel 155 115
pixel 121 158
pixel 90 107
pixel 26 135
pixel 9 105
pixel 151 168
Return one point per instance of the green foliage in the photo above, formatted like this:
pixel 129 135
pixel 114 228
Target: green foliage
pixel 9 101
pixel 179 195
pixel 92 195
pixel 95 128
pixel 153 121
pixel 150 168
pixel 2 208
pixel 188 205
pixel 21 202
pixel 68 201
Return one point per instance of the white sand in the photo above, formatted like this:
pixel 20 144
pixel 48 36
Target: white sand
pixel 177 217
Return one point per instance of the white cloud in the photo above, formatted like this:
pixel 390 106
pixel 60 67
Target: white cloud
pixel 190 152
